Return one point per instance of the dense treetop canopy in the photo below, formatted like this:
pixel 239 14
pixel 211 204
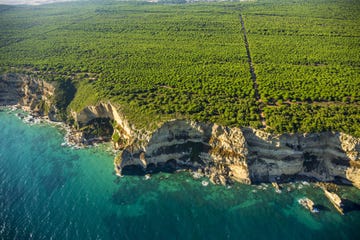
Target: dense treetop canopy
pixel 160 61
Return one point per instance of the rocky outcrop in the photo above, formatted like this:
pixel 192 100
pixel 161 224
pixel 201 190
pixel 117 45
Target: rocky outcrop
pixel 10 90
pixel 218 151
pixel 102 110
pixel 123 134
pixel 229 153
pixel 31 93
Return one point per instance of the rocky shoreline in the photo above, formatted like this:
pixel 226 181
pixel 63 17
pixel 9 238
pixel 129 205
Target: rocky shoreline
pixel 224 155
pixel 71 137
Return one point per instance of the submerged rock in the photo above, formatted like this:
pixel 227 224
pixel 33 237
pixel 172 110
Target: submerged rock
pixel 204 183
pixel 308 204
pixel 335 200
pixel 276 187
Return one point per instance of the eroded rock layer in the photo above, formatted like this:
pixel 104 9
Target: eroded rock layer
pixel 323 156
pixel 248 155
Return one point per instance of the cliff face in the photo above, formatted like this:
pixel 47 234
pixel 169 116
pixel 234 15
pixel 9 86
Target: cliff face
pixel 248 155
pixel 322 156
pixel 33 94
pixel 218 151
pixel 221 153
pixel 122 129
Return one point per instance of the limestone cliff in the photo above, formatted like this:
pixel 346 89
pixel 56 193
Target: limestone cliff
pixel 123 134
pixel 223 154
pixel 31 93
pixel 219 151
pixel 323 156
pixel 248 155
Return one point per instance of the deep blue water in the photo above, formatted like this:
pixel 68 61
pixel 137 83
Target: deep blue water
pixel 52 192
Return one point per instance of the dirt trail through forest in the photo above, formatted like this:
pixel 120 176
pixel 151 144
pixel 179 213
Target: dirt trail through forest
pixel 252 72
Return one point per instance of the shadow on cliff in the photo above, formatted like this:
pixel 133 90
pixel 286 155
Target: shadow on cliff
pixel 169 166
pixel 178 145
pixel 63 96
pixel 292 157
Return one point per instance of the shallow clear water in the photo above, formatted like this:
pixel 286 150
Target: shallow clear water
pixel 52 192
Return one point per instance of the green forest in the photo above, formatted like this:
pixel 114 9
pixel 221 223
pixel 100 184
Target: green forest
pixel 159 61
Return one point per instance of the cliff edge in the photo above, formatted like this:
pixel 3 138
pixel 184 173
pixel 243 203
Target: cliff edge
pixel 227 154
pixel 222 153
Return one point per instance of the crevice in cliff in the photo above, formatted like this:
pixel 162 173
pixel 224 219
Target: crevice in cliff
pixel 97 130
pixel 290 157
pixel 64 94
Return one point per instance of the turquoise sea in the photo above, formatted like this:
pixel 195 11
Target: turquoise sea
pixel 49 191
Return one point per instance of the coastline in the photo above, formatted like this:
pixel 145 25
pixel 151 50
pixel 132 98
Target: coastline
pixel 277 185
pixel 81 188
pixel 34 118
pixel 223 154
pixel 74 138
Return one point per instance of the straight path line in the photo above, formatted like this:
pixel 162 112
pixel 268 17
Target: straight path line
pixel 252 72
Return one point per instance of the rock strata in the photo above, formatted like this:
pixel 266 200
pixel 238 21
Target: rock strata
pixel 218 151
pixel 248 155
pixel 32 94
